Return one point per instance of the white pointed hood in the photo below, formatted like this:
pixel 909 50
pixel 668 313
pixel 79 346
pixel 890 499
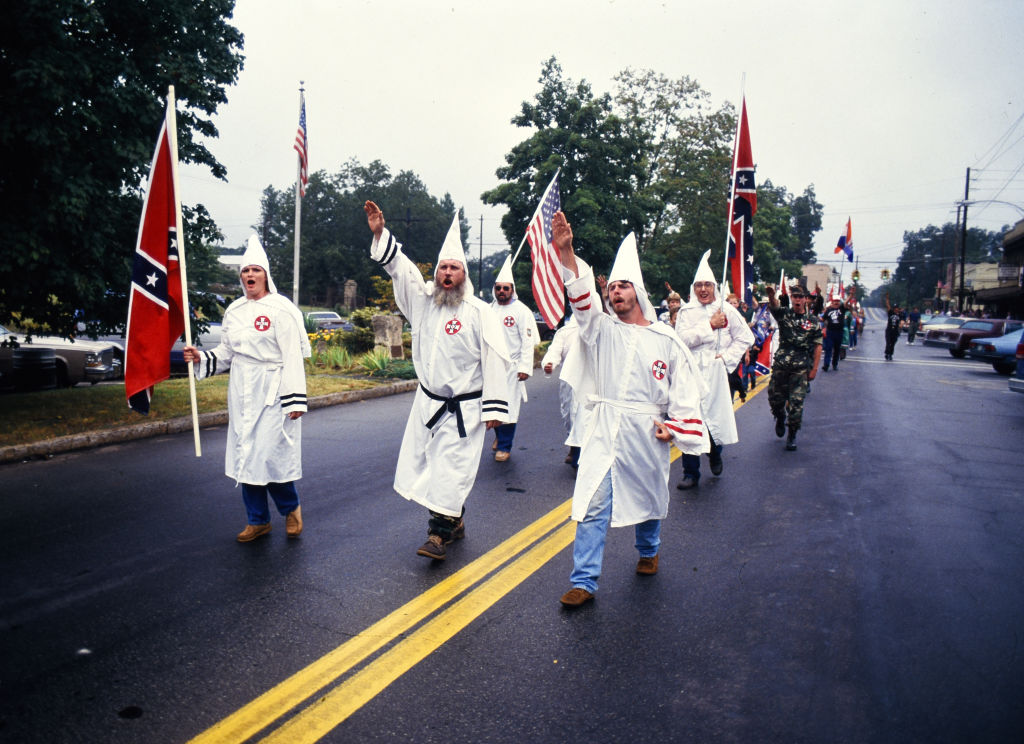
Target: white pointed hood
pixel 627 268
pixel 452 250
pixel 704 274
pixel 505 276
pixel 255 255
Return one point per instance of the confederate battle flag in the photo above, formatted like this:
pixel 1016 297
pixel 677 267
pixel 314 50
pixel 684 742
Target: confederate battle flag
pixel 744 205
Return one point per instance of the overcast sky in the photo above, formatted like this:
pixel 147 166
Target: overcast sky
pixel 881 105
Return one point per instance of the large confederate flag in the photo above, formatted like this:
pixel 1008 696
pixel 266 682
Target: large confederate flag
pixel 156 318
pixel 744 205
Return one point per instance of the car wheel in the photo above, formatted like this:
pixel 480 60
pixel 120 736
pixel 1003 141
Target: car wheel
pixel 62 375
pixel 957 354
pixel 1004 368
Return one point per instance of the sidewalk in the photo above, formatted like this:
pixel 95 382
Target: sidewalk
pixel 17 452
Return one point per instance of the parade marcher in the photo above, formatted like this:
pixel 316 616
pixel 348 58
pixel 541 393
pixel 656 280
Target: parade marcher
pixel 462 362
pixel 738 376
pixel 263 342
pixel 892 327
pixel 644 390
pixel 520 336
pixel 718 337
pixel 669 316
pixel 833 318
pixel 795 363
pixel 562 342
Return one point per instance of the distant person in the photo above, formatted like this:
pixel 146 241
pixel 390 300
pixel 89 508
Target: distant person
pixel 645 394
pixel 674 302
pixel 892 327
pixel 521 336
pixel 462 363
pixel 795 363
pixel 832 319
pixel 913 324
pixel 263 342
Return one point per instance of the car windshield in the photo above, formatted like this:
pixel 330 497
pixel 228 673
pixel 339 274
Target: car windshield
pixel 978 325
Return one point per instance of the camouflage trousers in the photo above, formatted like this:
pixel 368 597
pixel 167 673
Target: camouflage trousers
pixel 786 393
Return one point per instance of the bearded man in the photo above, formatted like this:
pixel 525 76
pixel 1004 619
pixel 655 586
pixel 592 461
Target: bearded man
pixel 462 365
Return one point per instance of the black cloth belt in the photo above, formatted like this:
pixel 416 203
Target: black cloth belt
pixel 451 405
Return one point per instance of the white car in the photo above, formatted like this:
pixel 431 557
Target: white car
pixel 75 361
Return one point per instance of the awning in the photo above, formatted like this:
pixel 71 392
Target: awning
pixel 995 294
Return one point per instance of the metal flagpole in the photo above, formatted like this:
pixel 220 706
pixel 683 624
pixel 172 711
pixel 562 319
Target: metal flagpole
pixel 298 208
pixel 172 140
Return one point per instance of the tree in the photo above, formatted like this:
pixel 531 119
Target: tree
pixel 88 80
pixel 334 239
pixel 806 216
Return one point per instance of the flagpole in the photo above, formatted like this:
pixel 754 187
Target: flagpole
pixel 732 187
pixel 172 140
pixel 298 209
pixel 540 204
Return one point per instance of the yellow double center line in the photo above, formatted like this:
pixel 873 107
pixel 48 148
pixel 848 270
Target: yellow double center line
pixel 329 710
pixel 541 541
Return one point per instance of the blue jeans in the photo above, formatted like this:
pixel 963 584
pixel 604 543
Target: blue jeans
pixel 830 350
pixel 286 499
pixel 691 463
pixel 505 433
pixel 588 547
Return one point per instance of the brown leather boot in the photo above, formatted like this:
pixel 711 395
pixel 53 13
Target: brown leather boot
pixel 252 531
pixel 647 566
pixel 293 522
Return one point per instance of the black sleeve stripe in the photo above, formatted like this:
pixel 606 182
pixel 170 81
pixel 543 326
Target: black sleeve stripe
pixel 495 409
pixel 389 251
pixel 496 400
pixel 293 398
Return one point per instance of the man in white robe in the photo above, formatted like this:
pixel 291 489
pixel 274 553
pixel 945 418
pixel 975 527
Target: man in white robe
pixel 461 360
pixel 561 344
pixel 644 391
pixel 718 336
pixel 263 343
pixel 520 336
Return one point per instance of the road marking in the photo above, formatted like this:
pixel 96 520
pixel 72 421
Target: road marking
pixel 921 363
pixel 329 711
pixel 538 545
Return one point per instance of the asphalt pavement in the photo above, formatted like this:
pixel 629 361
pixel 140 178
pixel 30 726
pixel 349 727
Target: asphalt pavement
pixel 866 588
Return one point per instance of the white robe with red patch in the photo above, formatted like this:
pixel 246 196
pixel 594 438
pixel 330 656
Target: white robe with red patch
pixel 520 336
pixel 632 375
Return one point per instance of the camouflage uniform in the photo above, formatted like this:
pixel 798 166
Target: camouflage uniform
pixel 798 335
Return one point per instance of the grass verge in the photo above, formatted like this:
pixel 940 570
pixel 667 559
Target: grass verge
pixel 35 417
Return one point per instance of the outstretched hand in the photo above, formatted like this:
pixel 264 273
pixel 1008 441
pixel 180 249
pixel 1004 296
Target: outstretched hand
pixel 561 238
pixel 374 218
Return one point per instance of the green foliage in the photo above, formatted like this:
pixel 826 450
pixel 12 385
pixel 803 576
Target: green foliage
pixel 87 80
pixel 363 317
pixel 654 159
pixel 335 239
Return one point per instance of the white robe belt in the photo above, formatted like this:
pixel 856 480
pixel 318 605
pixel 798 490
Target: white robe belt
pixel 626 405
pixel 451 405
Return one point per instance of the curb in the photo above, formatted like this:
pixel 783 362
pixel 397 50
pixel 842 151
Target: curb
pixel 18 452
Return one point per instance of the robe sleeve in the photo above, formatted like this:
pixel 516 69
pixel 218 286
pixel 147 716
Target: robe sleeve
pixel 494 402
pixel 556 349
pixel 528 339
pixel 736 338
pixel 213 362
pixel 409 286
pixel 584 298
pixel 684 417
pixel 694 328
pixel 293 375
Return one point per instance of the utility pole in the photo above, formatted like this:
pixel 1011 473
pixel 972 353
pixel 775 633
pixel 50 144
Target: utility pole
pixel 963 243
pixel 480 266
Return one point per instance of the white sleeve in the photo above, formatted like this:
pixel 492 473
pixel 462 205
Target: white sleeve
pixel 406 278
pixel 556 349
pixel 685 422
pixel 293 376
pixel 694 328
pixel 583 297
pixel 736 338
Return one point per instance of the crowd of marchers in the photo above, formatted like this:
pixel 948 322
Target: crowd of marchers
pixel 633 384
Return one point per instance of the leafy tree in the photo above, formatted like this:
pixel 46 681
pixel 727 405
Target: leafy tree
pixel 335 241
pixel 83 87
pixel 806 217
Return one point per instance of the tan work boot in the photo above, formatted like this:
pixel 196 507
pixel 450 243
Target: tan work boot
pixel 293 522
pixel 647 566
pixel 252 531
pixel 433 548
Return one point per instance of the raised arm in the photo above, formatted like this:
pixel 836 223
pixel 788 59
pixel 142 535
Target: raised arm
pixel 561 238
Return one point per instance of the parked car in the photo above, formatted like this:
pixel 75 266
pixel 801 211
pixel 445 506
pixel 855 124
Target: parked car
pixel 1017 380
pixel 957 340
pixel 206 341
pixel 941 323
pixel 75 360
pixel 328 320
pixel 1000 352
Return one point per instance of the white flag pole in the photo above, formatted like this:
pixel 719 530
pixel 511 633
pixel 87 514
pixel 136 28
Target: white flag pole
pixel 732 189
pixel 172 139
pixel 298 209
pixel 540 205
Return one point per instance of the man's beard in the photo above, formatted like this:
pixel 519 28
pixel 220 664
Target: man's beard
pixel 449 297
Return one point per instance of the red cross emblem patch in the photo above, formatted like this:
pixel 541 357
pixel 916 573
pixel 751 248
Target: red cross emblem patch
pixel 261 323
pixel 658 369
pixel 509 321
pixel 452 327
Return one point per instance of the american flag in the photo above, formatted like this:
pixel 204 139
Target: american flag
pixel 156 317
pixel 548 290
pixel 301 145
pixel 741 231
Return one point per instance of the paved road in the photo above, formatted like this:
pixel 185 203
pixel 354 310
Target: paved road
pixel 865 588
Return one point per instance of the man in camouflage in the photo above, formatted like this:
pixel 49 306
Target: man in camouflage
pixel 796 361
